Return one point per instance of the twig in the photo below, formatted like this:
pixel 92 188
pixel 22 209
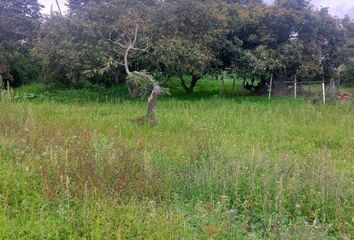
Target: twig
pixel 59 7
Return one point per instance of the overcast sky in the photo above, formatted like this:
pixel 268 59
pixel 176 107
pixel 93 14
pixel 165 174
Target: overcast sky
pixel 337 7
pixel 48 3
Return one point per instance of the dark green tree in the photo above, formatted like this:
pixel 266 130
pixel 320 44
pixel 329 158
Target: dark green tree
pixel 19 24
pixel 348 73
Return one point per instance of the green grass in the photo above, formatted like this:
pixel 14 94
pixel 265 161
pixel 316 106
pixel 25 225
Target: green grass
pixel 74 166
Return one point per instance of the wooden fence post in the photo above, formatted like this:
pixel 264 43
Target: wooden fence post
pixel 270 86
pixel 332 87
pixel 323 86
pixel 295 87
pixel 222 84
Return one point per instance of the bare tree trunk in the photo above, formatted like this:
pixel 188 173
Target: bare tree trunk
pixel 133 88
pixel 126 64
pixel 152 103
pixel 128 47
pixel 152 100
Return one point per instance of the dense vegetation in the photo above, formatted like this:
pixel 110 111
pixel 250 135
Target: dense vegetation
pixel 243 168
pixel 77 160
pixel 184 38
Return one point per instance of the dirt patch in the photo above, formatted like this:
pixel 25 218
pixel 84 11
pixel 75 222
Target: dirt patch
pixel 344 97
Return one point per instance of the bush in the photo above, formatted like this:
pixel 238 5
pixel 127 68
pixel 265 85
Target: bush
pixel 348 74
pixel 24 67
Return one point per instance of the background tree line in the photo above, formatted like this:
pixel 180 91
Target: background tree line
pixel 181 38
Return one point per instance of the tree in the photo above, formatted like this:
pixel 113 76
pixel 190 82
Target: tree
pixel 19 23
pixel 137 80
pixel 183 58
pixel 187 35
pixel 75 5
pixel 192 38
pixel 303 39
pixel 348 73
pixel 348 28
pixel 70 46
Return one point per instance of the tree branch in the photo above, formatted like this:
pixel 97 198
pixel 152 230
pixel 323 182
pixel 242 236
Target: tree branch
pixel 135 36
pixel 116 43
pixel 153 81
pixel 141 49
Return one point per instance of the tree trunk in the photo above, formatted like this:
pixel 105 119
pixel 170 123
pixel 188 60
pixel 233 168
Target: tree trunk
pixel 116 76
pixel 152 103
pixel 194 82
pixel 126 64
pixel 189 89
pixel 184 85
pixel 133 90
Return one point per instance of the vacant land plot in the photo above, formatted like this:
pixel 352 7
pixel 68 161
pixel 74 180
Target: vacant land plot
pixel 211 168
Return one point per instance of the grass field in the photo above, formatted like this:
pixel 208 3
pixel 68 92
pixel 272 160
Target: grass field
pixel 74 166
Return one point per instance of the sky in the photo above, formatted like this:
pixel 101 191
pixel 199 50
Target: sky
pixel 339 8
pixel 48 3
pixel 336 7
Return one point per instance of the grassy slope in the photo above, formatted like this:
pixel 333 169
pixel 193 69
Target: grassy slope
pixel 74 166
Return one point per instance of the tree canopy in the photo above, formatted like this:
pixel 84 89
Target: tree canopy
pixel 19 24
pixel 183 38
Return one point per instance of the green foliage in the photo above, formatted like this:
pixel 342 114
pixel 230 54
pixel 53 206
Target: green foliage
pixel 67 58
pixel 183 38
pixel 193 38
pixel 264 60
pixel 183 57
pixel 75 5
pixel 141 84
pixel 228 172
pixel 348 73
pixel 25 68
pixel 19 23
pixel 19 20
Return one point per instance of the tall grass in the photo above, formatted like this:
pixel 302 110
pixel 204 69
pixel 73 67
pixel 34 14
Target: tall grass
pixel 211 168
